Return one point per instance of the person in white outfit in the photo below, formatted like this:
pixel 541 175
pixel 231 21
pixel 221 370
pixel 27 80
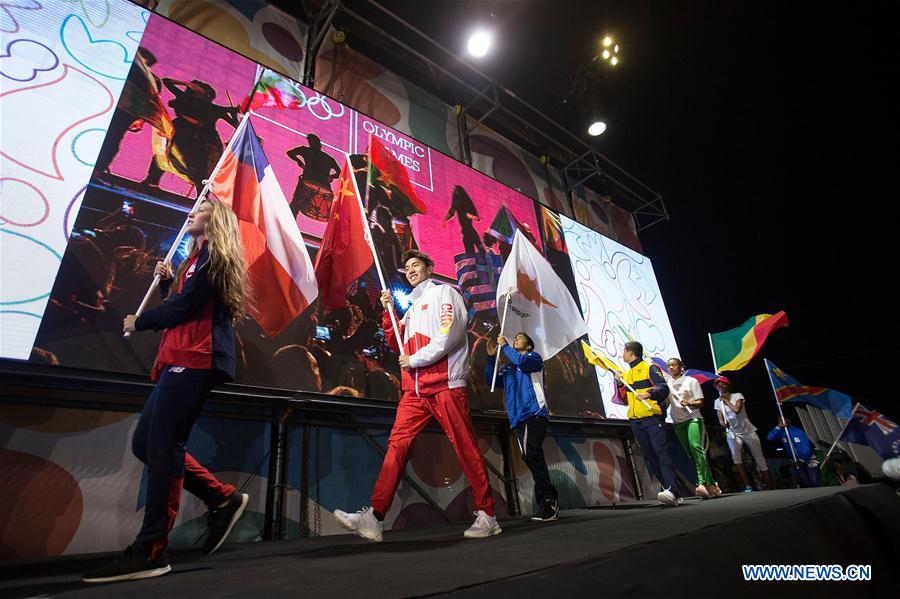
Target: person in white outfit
pixel 685 402
pixel 739 431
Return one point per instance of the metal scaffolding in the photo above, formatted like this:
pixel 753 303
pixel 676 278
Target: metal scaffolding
pixel 488 102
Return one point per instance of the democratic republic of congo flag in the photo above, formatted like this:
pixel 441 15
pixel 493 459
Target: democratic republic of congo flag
pixel 787 388
pixel 733 349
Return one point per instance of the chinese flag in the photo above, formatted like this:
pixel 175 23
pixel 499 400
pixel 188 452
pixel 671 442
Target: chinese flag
pixel 345 255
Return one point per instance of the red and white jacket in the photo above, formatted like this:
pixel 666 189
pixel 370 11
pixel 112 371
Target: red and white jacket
pixel 434 338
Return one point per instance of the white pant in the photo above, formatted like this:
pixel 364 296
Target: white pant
pixel 736 442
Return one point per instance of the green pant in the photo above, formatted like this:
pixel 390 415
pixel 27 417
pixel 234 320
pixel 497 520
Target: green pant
pixel 692 435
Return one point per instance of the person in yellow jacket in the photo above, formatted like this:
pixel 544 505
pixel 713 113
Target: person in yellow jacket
pixel 647 414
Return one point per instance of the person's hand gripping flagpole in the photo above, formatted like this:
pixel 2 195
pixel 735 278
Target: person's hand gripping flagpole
pixel 497 361
pixel 603 362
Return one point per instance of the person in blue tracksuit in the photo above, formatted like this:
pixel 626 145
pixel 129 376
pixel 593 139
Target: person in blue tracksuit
pixel 526 406
pixel 806 466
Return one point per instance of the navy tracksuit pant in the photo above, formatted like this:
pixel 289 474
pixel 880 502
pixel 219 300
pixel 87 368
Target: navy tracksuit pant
pixel 651 434
pixel 160 440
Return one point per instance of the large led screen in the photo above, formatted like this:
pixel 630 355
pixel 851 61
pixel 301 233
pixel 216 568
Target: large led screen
pixel 105 174
pixel 620 300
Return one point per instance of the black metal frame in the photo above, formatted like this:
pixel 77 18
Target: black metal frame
pixel 490 103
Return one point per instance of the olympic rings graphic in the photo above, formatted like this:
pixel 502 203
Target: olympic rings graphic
pixel 320 100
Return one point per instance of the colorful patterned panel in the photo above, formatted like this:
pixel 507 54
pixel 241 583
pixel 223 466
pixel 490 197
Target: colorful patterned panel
pixel 591 210
pixel 368 87
pixel 620 299
pixel 343 466
pixel 505 161
pixel 67 62
pixel 253 28
pixel 624 227
pixel 585 471
pixel 72 485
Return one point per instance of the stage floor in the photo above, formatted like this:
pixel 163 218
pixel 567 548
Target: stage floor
pixel 633 550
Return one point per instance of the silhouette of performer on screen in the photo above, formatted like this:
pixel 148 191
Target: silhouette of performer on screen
pixel 464 208
pixel 195 146
pixel 313 194
pixel 138 104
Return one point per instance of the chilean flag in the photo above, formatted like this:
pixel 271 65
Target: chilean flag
pixel 279 268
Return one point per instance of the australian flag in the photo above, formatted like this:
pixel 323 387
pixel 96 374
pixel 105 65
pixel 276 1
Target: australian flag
pixel 872 428
pixel 477 276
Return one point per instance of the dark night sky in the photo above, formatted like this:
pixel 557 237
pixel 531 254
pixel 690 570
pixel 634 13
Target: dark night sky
pixel 767 130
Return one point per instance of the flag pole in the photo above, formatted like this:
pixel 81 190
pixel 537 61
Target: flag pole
pixel 839 435
pixel 778 405
pixel 502 324
pixel 713 352
pixel 633 392
pixel 368 170
pixel 368 236
pixel 200 197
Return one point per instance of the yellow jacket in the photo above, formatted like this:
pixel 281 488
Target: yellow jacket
pixel 638 376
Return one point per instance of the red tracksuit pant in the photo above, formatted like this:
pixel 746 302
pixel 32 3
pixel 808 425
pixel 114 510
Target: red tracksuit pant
pixel 451 409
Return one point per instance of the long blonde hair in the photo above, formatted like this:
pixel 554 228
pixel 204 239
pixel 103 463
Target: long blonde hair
pixel 227 269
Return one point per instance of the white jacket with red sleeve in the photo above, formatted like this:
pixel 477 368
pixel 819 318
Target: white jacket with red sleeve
pixel 434 337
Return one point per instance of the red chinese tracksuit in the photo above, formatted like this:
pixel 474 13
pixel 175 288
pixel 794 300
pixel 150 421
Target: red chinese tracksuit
pixel 195 353
pixel 434 336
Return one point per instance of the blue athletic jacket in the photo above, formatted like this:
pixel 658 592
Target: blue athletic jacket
pixel 802 446
pixel 523 384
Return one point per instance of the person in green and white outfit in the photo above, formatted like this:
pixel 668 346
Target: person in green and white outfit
pixel 685 401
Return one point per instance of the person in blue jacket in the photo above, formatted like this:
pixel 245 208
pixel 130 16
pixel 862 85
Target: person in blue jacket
pixel 526 406
pixel 806 465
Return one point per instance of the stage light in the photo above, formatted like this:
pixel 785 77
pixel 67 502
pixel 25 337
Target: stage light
pixel 597 128
pixel 479 43
pixel 610 51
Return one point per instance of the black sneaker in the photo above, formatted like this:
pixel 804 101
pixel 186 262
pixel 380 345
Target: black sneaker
pixel 549 512
pixel 130 566
pixel 222 520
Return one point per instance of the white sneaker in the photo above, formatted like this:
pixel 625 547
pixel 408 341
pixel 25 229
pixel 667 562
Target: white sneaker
pixel 484 526
pixel 363 523
pixel 667 498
